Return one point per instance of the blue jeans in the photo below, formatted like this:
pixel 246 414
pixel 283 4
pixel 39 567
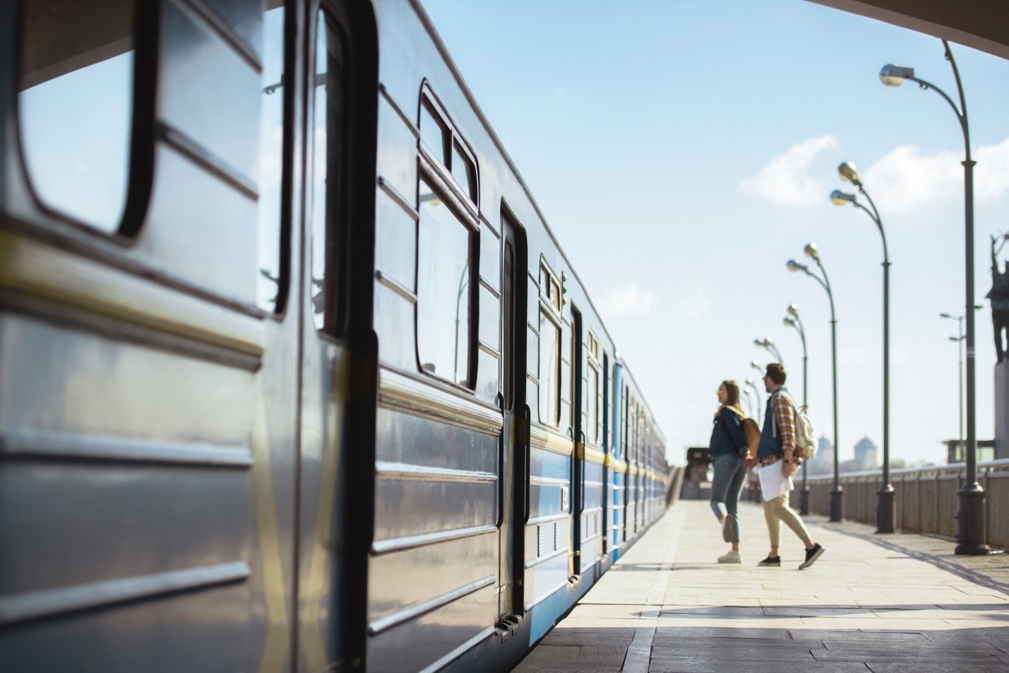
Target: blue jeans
pixel 726 486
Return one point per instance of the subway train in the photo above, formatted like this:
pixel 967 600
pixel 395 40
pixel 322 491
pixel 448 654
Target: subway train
pixel 294 377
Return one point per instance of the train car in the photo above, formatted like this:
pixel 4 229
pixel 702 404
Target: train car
pixel 293 374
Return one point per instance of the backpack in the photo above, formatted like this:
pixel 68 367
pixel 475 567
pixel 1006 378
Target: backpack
pixel 805 441
pixel 752 432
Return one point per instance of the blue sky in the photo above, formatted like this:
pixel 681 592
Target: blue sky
pixel 684 151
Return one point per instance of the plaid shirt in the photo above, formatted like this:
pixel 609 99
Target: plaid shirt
pixel 783 409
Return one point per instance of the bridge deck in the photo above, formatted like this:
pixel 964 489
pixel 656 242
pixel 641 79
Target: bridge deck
pixel 871 603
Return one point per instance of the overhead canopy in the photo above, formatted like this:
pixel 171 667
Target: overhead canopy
pixel 981 24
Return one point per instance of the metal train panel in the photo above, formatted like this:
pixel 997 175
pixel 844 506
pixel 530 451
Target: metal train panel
pixel 279 428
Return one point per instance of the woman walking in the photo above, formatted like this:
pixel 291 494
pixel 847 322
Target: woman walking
pixel 727 449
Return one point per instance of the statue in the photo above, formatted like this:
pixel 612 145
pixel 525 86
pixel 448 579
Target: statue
pixel 999 295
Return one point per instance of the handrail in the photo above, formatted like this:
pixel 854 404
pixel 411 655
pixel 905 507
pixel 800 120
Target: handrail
pixel 999 465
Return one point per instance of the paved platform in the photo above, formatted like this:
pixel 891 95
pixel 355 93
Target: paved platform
pixel 879 603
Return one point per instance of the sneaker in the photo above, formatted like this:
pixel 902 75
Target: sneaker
pixel 727 528
pixel 771 561
pixel 811 555
pixel 730 557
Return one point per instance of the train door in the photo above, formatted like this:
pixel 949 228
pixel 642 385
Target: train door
pixel 619 474
pixel 514 437
pixel 577 462
pixel 337 343
pixel 607 446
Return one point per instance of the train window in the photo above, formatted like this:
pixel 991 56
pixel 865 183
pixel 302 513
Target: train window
pixel 327 175
pixel 444 144
pixel 270 283
pixel 550 369
pixel 592 390
pixel 444 289
pixel 463 171
pixel 75 101
pixel 434 132
pixel 550 348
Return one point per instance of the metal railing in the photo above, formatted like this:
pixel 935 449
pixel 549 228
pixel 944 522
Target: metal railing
pixel 926 498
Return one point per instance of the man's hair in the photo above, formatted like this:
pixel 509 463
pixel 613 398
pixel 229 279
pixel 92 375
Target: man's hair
pixel 776 372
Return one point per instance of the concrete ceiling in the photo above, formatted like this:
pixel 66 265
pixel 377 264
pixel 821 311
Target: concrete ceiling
pixel 981 24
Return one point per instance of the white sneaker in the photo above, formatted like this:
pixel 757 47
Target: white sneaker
pixel 730 557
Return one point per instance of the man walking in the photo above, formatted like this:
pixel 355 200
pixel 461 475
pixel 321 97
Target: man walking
pixel 777 446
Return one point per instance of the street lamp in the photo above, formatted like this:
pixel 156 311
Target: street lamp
pixel 885 513
pixel 959 339
pixel 749 400
pixel 971 534
pixel 769 346
pixel 756 395
pixel 837 493
pixel 792 320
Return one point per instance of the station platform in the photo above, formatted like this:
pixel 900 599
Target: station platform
pixel 879 603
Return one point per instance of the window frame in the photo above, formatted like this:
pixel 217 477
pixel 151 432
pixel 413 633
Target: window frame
pixel 436 171
pixel 550 307
pixel 140 142
pixel 336 218
pixel 430 175
pixel 593 395
pixel 452 139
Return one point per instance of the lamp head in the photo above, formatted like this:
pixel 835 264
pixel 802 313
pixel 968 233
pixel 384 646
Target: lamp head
pixel 839 198
pixel 749 381
pixel 848 172
pixel 893 75
pixel 793 310
pixel 812 251
pixel 756 365
pixel 795 266
pixel 945 315
pixel 788 322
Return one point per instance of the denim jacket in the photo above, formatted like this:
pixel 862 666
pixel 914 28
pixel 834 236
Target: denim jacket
pixel 727 434
pixel 770 438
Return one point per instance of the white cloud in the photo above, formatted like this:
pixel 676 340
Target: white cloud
pixel 627 300
pixel 991 175
pixel 904 179
pixel 786 179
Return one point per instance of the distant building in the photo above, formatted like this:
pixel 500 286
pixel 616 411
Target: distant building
pixel 823 461
pixel 865 454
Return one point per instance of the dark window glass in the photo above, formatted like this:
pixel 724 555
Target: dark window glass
pixel 271 163
pixel 592 412
pixel 444 289
pixel 434 133
pixel 327 172
pixel 76 106
pixel 463 171
pixel 550 369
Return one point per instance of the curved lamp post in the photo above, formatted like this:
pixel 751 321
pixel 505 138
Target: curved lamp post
pixel 885 512
pixel 756 396
pixel 971 534
pixel 792 320
pixel 959 340
pixel 749 400
pixel 837 493
pixel 768 345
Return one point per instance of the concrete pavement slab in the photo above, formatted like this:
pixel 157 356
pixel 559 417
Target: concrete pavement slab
pixel 885 604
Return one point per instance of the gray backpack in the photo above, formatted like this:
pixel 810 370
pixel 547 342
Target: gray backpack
pixel 805 440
